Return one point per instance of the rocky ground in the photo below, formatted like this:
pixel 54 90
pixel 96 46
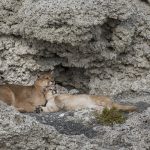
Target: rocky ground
pixel 75 130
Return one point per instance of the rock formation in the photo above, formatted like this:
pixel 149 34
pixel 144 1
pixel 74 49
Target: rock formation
pixel 97 46
pixel 94 46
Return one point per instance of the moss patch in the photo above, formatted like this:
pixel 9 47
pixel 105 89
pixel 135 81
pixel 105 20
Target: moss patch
pixel 110 116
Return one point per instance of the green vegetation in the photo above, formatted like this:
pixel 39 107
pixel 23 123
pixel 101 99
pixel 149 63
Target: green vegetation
pixel 110 116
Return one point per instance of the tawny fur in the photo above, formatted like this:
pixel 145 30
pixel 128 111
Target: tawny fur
pixel 72 102
pixel 26 98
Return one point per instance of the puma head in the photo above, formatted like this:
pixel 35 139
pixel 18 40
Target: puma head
pixel 44 80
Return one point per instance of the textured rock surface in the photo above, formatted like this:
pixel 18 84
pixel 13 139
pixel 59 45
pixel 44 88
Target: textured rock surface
pixel 94 46
pixel 74 131
pixel 97 46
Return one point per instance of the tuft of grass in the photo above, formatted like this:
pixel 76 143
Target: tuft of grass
pixel 110 116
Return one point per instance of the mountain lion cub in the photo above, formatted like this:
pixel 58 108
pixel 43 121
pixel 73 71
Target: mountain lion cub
pixel 80 101
pixel 26 98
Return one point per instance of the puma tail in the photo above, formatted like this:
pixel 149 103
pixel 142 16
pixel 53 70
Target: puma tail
pixel 126 108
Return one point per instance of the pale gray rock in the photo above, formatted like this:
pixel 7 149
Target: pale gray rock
pixel 94 46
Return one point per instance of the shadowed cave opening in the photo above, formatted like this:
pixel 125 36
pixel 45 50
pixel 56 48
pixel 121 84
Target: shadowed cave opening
pixel 72 78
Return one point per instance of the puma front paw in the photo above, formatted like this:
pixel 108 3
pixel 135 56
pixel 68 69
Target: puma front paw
pixel 39 109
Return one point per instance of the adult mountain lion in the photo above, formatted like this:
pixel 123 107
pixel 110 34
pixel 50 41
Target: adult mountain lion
pixel 80 101
pixel 26 98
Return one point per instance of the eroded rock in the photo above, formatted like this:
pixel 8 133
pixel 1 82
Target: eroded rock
pixel 95 46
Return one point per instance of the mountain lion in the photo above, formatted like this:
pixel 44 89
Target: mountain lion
pixel 26 98
pixel 80 101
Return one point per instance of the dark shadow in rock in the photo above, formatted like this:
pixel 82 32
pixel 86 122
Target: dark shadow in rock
pixel 72 77
pixel 62 125
pixel 142 106
pixel 146 2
